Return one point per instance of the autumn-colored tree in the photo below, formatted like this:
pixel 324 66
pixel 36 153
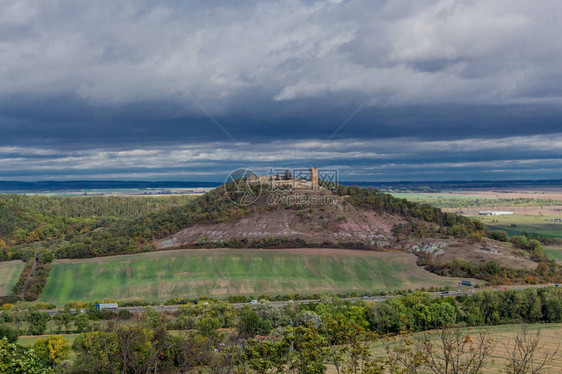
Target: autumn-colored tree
pixel 51 350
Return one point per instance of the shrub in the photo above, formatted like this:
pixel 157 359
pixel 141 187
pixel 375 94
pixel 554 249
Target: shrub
pixel 9 333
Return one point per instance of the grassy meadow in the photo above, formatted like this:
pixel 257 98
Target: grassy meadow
pixel 9 274
pixel 157 276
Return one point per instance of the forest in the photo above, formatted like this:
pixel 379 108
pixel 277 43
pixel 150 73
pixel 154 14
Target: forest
pixel 215 337
pixel 28 223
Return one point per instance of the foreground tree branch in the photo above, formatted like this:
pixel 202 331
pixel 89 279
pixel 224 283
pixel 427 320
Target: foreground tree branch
pixel 527 354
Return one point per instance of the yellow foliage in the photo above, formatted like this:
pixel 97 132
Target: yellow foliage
pixel 7 306
pixel 53 349
pixel 32 237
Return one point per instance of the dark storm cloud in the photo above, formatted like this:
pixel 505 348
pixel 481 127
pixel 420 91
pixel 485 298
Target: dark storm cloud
pixel 80 93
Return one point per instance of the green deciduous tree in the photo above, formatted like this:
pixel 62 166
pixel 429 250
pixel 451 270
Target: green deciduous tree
pixel 9 333
pixel 251 324
pixel 37 322
pixel 97 352
pixel 63 319
pixel 264 357
pixel 82 322
pixel 15 360
pixel 388 317
pixel 307 350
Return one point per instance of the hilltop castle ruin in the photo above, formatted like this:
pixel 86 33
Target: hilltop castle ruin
pixel 288 181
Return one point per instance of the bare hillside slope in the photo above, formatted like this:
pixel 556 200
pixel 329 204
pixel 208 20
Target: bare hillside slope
pixel 342 225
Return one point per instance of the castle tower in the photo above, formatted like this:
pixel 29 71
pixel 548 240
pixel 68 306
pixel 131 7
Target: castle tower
pixel 314 178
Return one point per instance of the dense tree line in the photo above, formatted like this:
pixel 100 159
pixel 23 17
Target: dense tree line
pixel 33 277
pixel 262 337
pixel 35 284
pixel 416 311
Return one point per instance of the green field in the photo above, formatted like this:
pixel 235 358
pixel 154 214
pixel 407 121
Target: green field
pixel 9 274
pixel 158 276
pixel 518 223
pixel 554 253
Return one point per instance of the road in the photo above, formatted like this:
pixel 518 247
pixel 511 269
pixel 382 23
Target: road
pixel 175 308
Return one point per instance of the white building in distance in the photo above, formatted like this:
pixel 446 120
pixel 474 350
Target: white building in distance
pixel 494 213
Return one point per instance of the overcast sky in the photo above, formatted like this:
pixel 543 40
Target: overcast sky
pixel 189 90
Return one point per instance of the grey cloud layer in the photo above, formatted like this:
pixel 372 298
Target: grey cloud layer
pixel 462 51
pixel 355 159
pixel 80 93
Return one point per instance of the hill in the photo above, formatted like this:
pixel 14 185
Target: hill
pixel 354 218
pixel 348 217
pixel 359 218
